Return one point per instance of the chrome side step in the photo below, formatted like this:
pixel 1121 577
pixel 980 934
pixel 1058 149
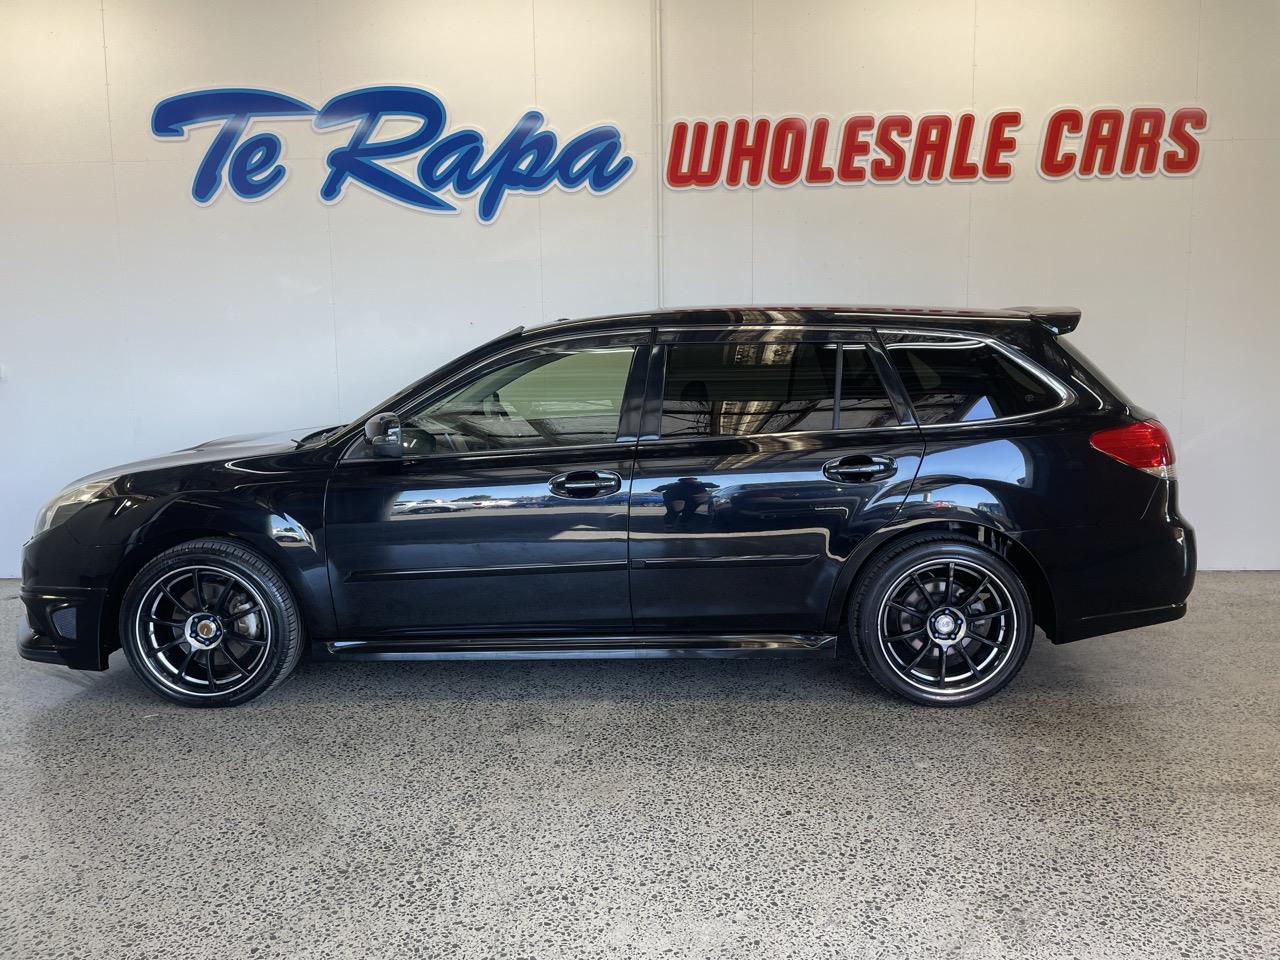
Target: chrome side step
pixel 582 648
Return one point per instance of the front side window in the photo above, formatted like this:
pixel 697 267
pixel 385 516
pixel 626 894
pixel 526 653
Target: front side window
pixel 750 388
pixel 962 380
pixel 549 397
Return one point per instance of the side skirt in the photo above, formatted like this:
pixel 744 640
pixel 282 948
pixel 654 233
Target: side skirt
pixel 583 648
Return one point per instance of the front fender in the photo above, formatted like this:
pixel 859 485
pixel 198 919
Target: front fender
pixel 284 525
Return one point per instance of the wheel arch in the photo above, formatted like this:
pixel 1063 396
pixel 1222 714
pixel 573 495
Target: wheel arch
pixel 294 553
pixel 1001 543
pixel 131 562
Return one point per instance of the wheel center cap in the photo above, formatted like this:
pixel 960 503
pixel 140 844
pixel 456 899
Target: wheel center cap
pixel 204 631
pixel 946 626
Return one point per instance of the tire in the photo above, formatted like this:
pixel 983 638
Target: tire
pixel 241 638
pixel 941 621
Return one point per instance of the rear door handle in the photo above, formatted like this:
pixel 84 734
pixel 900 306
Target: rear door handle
pixel 585 484
pixel 859 468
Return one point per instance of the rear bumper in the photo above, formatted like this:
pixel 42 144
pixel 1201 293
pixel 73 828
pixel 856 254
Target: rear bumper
pixel 1096 626
pixel 1108 579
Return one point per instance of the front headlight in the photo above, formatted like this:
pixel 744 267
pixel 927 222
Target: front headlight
pixel 61 507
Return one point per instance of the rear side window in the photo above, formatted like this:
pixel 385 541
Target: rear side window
pixel 744 389
pixel 960 380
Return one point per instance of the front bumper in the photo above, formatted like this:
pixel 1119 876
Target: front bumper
pixel 63 626
pixel 33 646
pixel 64 591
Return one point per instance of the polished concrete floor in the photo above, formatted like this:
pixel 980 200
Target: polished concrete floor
pixel 1120 800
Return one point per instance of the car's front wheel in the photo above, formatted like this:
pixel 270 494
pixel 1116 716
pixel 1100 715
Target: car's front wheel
pixel 941 621
pixel 210 623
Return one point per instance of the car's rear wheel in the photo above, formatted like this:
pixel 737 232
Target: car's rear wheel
pixel 941 621
pixel 210 623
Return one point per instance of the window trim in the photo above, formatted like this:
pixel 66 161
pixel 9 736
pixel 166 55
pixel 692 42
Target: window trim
pixel 648 442
pixel 1066 396
pixel 818 331
pixel 492 361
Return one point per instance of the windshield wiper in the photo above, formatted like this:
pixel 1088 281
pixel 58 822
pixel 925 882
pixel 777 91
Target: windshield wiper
pixel 316 435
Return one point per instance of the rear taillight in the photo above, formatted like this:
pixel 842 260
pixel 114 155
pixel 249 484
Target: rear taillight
pixel 1145 445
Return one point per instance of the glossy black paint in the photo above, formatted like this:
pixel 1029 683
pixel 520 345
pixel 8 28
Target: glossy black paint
pixel 262 491
pixel 707 547
pixel 712 521
pixel 419 547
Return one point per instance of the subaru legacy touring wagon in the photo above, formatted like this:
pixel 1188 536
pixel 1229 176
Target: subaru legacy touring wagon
pixel 918 488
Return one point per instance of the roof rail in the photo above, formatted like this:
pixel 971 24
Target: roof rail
pixel 1057 320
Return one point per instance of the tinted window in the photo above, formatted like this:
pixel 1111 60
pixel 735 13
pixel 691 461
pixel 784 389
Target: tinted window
pixel 954 380
pixel 1078 362
pixel 863 401
pixel 741 389
pixel 545 398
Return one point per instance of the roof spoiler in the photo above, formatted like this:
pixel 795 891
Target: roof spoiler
pixel 1057 320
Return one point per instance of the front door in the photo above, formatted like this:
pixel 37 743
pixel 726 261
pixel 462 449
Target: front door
pixel 508 513
pixel 768 456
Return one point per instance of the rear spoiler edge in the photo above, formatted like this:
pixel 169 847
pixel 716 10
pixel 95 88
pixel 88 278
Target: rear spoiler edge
pixel 1057 320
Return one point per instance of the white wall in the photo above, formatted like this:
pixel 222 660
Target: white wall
pixel 134 321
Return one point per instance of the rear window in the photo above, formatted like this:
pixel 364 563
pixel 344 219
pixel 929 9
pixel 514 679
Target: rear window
pixel 743 389
pixel 961 380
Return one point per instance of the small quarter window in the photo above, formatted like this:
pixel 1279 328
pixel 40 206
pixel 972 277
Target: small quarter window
pixel 962 380
pixel 759 387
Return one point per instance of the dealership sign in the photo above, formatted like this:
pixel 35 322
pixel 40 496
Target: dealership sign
pixel 449 163
pixel 458 162
pixel 933 148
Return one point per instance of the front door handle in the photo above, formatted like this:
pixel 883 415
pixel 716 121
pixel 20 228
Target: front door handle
pixel 859 468
pixel 585 484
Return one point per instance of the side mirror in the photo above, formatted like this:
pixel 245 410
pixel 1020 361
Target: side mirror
pixel 382 433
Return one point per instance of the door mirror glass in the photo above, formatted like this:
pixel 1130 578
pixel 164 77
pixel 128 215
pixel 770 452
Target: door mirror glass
pixel 382 433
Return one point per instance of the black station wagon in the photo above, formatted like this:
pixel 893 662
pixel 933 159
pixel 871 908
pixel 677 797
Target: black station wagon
pixel 919 488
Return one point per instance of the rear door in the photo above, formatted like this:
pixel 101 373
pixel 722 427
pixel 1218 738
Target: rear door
pixel 766 456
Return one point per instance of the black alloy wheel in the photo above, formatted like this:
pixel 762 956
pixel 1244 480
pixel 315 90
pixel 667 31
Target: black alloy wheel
pixel 210 623
pixel 942 622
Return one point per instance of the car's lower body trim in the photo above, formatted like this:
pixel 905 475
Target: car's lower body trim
pixel 585 648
